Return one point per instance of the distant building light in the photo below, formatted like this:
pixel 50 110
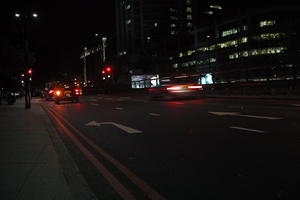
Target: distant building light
pixel 216 7
pixel 209 12
pixel 148 38
pixel 155 24
pixel 17 15
pixel 267 23
pixel 128 21
pixel 35 15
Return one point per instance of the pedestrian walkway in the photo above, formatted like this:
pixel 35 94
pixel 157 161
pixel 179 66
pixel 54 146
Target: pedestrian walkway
pixel 30 162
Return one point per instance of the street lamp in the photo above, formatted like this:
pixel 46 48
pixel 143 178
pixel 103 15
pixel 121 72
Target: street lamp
pixel 28 76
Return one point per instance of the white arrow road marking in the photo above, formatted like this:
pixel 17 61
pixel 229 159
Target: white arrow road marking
pixel 154 114
pixel 298 105
pixel 247 129
pixel 118 108
pixel 93 123
pixel 240 115
pixel 120 126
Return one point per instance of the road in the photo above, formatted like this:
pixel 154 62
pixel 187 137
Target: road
pixel 210 148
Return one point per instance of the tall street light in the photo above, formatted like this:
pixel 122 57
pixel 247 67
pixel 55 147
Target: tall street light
pixel 25 17
pixel 103 46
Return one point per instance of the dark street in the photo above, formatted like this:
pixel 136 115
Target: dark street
pixel 209 148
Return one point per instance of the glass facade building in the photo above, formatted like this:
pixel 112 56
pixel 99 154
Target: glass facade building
pixel 261 45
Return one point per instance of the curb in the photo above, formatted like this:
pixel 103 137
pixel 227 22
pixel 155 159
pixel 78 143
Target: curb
pixel 77 183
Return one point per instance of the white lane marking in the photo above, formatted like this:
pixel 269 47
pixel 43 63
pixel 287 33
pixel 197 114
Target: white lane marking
pixel 120 126
pixel 298 105
pixel 240 115
pixel 94 104
pixel 154 114
pixel 118 108
pixel 247 129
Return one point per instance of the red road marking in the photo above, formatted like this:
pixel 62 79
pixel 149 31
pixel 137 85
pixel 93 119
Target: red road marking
pixel 119 188
pixel 152 194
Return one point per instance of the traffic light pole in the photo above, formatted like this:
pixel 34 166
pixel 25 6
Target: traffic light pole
pixel 26 58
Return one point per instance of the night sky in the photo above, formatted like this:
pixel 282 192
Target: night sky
pixel 60 33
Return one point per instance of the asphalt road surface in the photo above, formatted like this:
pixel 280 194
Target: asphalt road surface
pixel 210 148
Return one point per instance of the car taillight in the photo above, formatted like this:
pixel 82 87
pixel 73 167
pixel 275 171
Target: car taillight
pixel 173 88
pixel 58 92
pixel 51 92
pixel 77 91
pixel 195 87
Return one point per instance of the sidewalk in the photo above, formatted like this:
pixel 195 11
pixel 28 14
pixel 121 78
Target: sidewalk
pixel 34 164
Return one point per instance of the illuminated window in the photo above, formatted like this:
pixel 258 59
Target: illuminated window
pixel 175 65
pixel 188 2
pixel 172 32
pixel 188 9
pixel 173 25
pixel 267 23
pixel 180 55
pixel 216 7
pixel 256 52
pixel 172 9
pixel 190 52
pixel 155 24
pixel 229 32
pixel 268 36
pixel 128 6
pixel 189 25
pixel 128 21
pixel 189 17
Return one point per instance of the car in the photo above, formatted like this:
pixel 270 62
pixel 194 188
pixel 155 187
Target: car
pixel 176 87
pixel 49 94
pixel 66 93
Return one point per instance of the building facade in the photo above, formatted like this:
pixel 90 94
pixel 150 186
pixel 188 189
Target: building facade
pixel 255 46
pixel 148 29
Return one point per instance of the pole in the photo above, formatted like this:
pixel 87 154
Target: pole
pixel 26 58
pixel 84 67
pixel 103 49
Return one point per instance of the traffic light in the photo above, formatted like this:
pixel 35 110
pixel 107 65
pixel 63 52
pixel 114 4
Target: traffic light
pixel 108 68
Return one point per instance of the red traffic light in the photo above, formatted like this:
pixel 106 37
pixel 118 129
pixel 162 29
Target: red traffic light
pixel 108 69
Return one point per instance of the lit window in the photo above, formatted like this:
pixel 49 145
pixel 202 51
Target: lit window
pixel 175 65
pixel 229 32
pixel 173 25
pixel 216 7
pixel 172 9
pixel 189 25
pixel 188 2
pixel 172 32
pixel 189 17
pixel 188 9
pixel 128 21
pixel 268 36
pixel 128 6
pixel 267 23
pixel 190 52
pixel 180 55
pixel 155 24
pixel 256 52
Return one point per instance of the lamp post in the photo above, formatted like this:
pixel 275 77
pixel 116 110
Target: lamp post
pixel 24 17
pixel 103 46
